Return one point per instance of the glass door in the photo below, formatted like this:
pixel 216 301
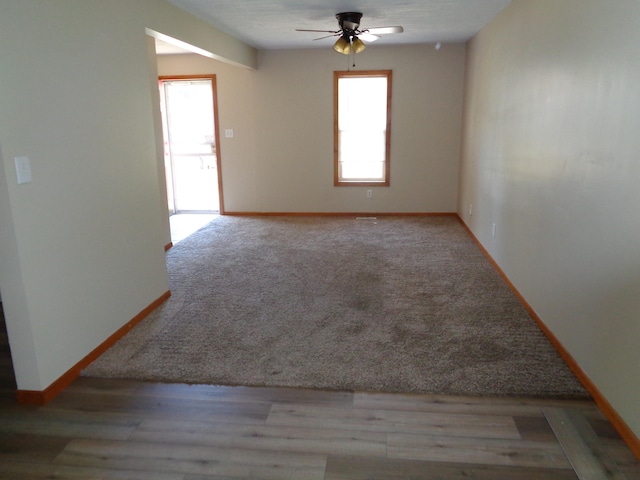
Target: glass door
pixel 191 158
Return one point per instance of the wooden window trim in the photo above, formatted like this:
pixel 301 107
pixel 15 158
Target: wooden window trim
pixel 336 154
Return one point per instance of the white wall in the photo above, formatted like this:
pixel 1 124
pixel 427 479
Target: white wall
pixel 281 157
pixel 81 247
pixel 550 156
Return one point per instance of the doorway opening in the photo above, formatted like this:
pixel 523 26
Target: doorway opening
pixel 191 144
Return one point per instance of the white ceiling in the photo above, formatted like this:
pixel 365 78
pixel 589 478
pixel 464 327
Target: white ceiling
pixel 271 24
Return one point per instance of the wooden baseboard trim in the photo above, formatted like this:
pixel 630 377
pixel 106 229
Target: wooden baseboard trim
pixel 630 438
pixel 341 214
pixel 168 246
pixel 37 397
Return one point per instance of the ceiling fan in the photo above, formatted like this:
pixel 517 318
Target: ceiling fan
pixel 351 36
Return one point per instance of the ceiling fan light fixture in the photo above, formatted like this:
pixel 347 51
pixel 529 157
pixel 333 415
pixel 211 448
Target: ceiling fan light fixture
pixel 358 45
pixel 342 46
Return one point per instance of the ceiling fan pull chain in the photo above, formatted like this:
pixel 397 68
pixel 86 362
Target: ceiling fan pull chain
pixel 353 52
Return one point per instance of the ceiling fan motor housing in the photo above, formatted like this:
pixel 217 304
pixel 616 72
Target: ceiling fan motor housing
pixel 349 21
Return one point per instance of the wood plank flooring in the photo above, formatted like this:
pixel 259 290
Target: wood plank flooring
pixel 117 429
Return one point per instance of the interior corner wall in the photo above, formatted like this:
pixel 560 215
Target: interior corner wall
pixel 159 138
pixel 82 245
pixel 549 175
pixel 14 299
pixel 281 156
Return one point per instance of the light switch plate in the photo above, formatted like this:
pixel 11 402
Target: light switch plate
pixel 228 133
pixel 23 169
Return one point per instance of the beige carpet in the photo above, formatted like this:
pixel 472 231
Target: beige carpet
pixel 399 304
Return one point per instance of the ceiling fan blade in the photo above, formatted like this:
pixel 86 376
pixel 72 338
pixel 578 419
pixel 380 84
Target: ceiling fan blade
pixel 321 31
pixel 384 30
pixel 327 36
pixel 368 37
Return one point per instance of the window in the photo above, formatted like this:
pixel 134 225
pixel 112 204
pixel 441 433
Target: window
pixel 362 127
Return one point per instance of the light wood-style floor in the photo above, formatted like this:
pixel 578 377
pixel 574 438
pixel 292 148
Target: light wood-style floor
pixel 115 429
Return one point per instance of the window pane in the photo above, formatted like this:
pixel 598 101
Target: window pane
pixel 362 103
pixel 368 171
pixel 362 145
